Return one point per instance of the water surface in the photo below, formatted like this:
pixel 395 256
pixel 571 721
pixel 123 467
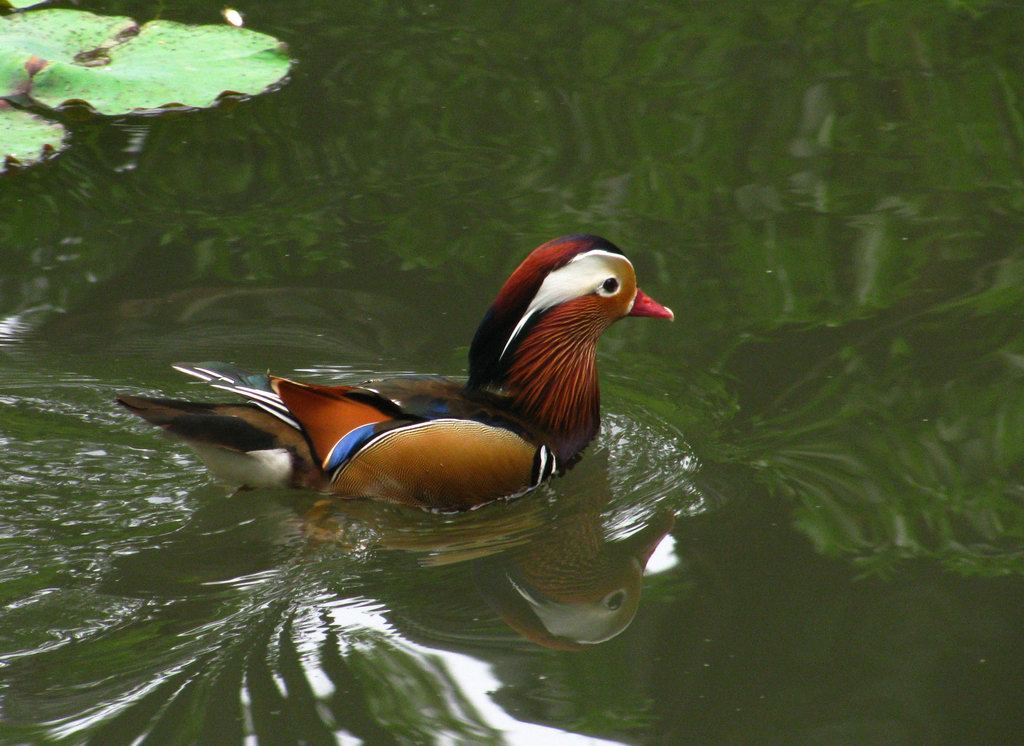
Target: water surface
pixel 820 462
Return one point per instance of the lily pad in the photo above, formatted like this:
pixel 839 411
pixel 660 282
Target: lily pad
pixel 26 137
pixel 21 4
pixel 116 67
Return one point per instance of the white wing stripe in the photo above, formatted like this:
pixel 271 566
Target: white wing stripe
pixel 268 401
pixel 213 373
pixel 266 397
pixel 192 372
pixel 279 415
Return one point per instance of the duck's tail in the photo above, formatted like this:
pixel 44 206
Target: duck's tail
pixel 239 443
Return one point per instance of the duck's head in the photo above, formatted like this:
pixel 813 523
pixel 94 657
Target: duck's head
pixel 586 279
pixel 537 340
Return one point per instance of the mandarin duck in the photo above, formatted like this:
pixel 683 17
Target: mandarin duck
pixel 528 409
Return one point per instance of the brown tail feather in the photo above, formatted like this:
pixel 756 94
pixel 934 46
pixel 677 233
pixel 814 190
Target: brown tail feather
pixel 240 428
pixel 214 424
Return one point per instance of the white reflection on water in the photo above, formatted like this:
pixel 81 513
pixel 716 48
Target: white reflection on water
pixel 664 557
pixel 17 326
pixel 466 682
pixel 477 680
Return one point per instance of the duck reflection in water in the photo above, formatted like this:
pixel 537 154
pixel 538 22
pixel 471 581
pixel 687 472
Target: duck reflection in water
pixel 569 587
pixel 556 580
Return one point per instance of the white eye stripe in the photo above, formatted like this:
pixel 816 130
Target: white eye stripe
pixel 601 252
pixel 583 275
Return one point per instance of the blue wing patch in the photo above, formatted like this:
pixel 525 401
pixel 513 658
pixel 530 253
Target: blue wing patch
pixel 437 409
pixel 347 445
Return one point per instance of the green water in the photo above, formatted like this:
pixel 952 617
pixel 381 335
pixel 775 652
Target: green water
pixel 825 452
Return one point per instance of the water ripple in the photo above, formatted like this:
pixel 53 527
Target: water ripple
pixel 127 550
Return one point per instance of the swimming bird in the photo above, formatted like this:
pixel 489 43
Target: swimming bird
pixel 530 406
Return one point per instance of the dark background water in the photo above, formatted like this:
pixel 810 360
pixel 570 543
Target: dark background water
pixel 830 437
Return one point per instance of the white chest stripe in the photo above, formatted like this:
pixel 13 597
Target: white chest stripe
pixel 581 276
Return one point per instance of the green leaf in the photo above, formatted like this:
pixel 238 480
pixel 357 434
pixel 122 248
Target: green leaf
pixel 116 67
pixel 30 41
pixel 26 138
pixel 21 4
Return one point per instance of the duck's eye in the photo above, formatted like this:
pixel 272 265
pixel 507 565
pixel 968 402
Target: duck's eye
pixel 613 601
pixel 610 285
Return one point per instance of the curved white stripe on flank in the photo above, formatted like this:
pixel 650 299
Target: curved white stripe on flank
pixel 547 466
pixel 581 276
